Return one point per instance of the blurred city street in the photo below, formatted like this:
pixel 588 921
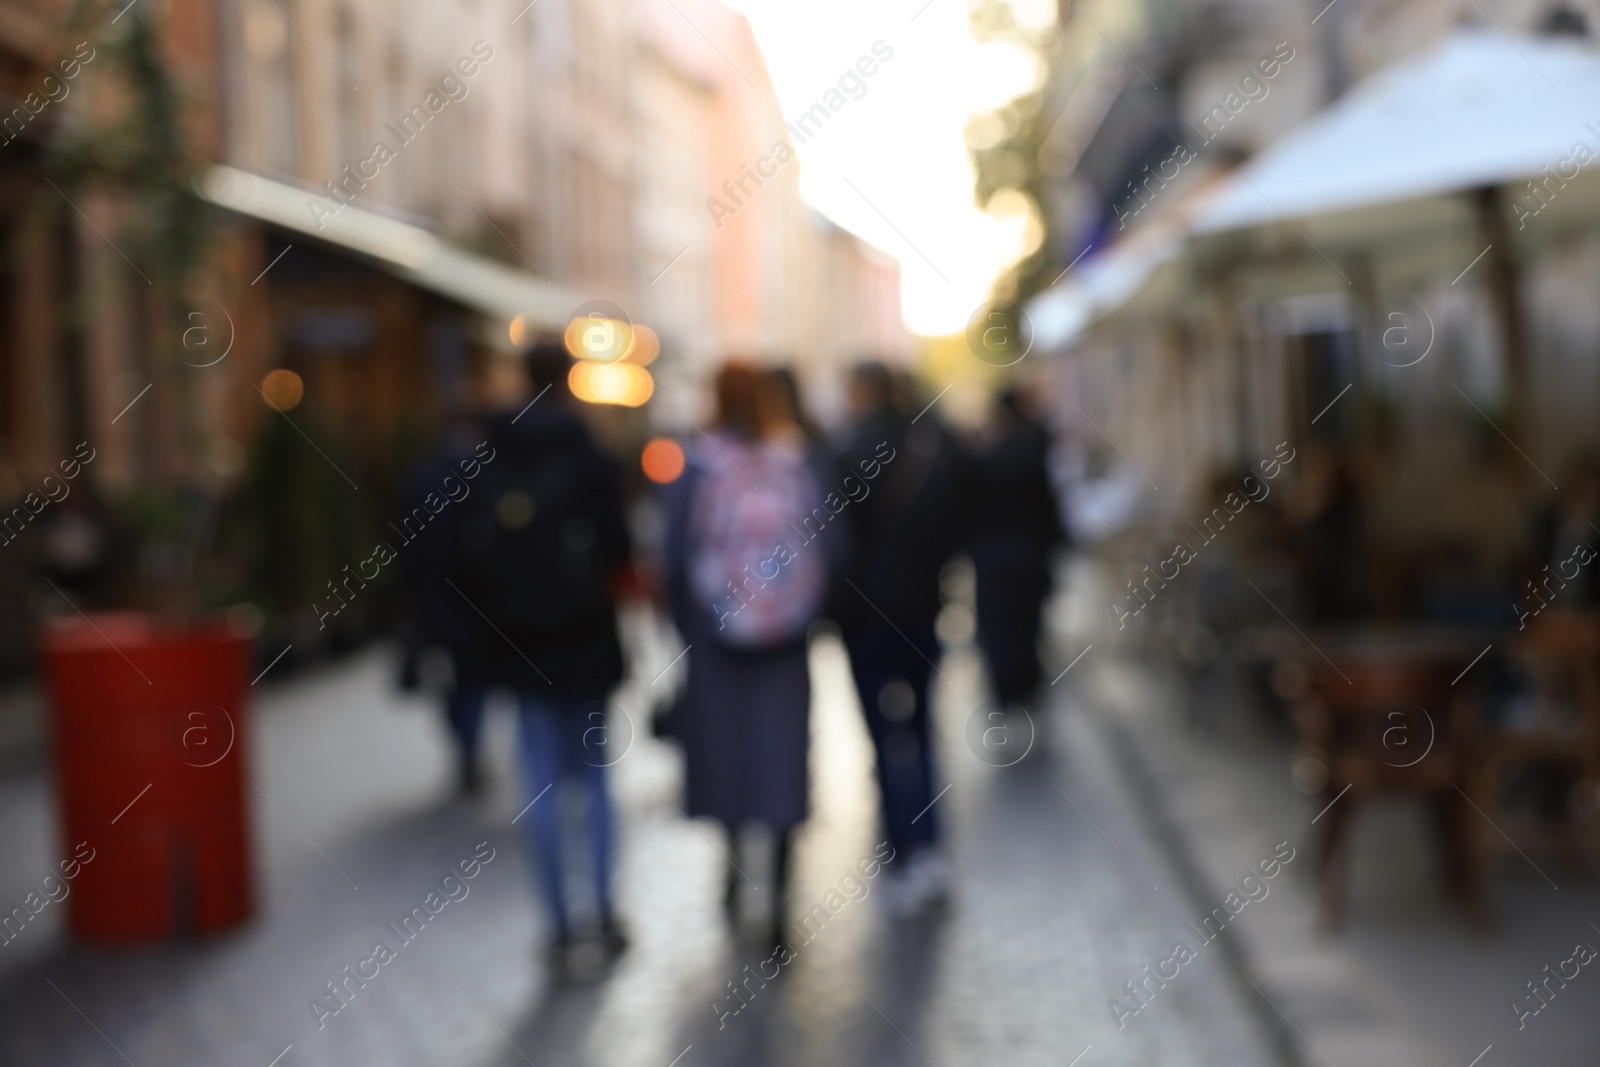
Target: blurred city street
pixel 662 533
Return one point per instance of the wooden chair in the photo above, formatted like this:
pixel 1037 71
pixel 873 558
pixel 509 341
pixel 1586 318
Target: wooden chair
pixel 1561 653
pixel 1387 725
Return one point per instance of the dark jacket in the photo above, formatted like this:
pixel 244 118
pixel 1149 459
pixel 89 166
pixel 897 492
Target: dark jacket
pixel 435 614
pixel 908 527
pixel 537 547
pixel 1016 514
pixel 1015 529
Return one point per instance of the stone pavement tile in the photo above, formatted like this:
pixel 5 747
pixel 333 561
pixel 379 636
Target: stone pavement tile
pixel 1314 989
pixel 1043 927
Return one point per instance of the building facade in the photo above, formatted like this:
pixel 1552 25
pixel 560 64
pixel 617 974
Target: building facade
pixel 394 179
pixel 1211 360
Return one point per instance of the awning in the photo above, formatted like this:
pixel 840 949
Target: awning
pixel 406 251
pixel 1108 281
pixel 1478 110
pixel 1062 312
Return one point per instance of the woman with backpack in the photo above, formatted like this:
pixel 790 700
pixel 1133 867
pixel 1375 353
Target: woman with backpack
pixel 747 555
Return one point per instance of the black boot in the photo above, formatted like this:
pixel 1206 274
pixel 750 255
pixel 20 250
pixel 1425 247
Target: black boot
pixel 783 850
pixel 730 892
pixel 469 778
pixel 613 941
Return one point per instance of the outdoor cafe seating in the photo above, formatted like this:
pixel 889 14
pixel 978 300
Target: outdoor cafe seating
pixel 1465 723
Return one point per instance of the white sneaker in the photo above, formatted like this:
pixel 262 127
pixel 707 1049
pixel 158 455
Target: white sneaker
pixel 896 894
pixel 929 878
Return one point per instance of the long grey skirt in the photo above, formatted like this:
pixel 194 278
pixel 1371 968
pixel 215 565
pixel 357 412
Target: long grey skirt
pixel 744 726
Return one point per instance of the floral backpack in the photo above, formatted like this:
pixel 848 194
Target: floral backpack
pixel 749 555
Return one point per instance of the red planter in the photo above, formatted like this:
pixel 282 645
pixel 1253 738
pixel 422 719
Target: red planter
pixel 150 764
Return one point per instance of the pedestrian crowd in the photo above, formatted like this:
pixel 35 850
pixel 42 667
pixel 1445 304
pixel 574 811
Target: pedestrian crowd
pixel 770 530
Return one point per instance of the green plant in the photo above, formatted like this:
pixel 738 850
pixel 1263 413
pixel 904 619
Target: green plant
pixel 131 148
pixel 141 155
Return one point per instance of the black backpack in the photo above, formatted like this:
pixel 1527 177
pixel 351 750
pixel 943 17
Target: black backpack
pixel 530 555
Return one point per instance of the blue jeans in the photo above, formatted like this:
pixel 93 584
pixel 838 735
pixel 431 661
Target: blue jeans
pixel 904 748
pixel 563 740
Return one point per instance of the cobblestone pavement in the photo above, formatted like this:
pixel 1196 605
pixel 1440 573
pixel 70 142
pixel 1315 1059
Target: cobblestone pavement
pixel 1058 902
pixel 1408 981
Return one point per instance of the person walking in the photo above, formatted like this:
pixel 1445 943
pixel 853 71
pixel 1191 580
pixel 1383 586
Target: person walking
pixel 746 562
pixel 1016 528
pixel 439 627
pixel 541 545
pixel 902 534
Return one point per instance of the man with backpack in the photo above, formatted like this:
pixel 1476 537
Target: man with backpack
pixel 540 545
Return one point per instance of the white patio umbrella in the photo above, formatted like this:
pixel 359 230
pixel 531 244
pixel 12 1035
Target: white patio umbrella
pixel 1381 173
pixel 1486 147
pixel 1478 110
pixel 1385 171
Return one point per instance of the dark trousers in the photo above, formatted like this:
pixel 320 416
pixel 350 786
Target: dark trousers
pixel 880 657
pixel 1010 619
pixel 464 709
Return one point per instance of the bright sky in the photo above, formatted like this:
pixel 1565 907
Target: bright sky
pixel 892 166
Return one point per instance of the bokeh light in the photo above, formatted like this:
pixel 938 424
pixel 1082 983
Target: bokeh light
pixel 520 332
pixel 610 383
pixel 598 339
pixel 645 346
pixel 283 389
pixel 662 460
pixel 226 457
